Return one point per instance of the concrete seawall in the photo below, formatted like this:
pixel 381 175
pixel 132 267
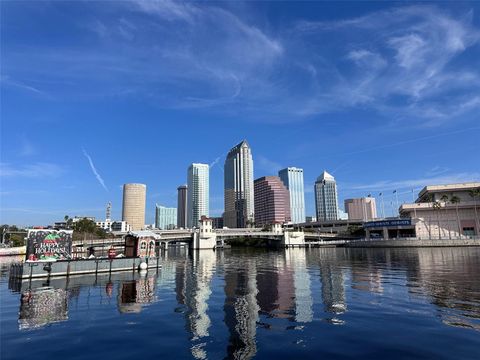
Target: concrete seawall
pixel 414 243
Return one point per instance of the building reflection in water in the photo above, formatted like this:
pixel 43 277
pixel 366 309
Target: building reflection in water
pixel 264 290
pixel 134 294
pixel 445 274
pixel 240 307
pixel 193 276
pixel 46 301
pixel 333 283
pixel 296 259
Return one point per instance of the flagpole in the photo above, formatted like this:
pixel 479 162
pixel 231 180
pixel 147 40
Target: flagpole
pixel 383 206
pixel 396 199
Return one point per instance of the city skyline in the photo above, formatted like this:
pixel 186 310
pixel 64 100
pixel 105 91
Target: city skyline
pixel 396 115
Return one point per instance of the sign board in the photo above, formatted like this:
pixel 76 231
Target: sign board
pixel 387 223
pixel 47 244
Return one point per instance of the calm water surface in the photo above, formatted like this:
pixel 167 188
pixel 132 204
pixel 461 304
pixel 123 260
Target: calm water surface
pixel 242 304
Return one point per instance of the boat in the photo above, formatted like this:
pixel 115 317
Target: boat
pixel 49 254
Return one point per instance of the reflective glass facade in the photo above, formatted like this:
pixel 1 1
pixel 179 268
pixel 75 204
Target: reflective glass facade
pixel 292 178
pixel 165 218
pixel 326 200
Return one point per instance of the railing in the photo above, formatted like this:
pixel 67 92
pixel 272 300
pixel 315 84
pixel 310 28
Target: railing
pixel 409 238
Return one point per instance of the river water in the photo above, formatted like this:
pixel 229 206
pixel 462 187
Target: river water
pixel 421 303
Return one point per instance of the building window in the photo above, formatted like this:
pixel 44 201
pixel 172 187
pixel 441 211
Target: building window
pixel 469 231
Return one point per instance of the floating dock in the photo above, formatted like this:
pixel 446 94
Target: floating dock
pixel 44 269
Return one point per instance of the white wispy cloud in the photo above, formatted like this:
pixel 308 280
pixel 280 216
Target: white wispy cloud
pixel 7 80
pixel 215 162
pixel 38 169
pixel 406 68
pixel 267 165
pixel 94 170
pixel 416 183
pixel 225 61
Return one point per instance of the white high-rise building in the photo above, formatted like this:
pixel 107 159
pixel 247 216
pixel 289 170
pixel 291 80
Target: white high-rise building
pixel 198 193
pixel 326 199
pixel 292 178
pixel 239 201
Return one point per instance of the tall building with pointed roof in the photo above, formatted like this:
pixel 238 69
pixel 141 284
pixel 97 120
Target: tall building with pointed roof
pixel 326 199
pixel 238 176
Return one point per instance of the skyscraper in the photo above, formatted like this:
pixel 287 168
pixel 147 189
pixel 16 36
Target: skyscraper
pixel 133 207
pixel 198 193
pixel 326 201
pixel 165 218
pixel 182 206
pixel 272 201
pixel 239 201
pixel 361 209
pixel 292 177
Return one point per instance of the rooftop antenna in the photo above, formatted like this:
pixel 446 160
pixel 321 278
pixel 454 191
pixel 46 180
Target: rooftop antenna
pixel 109 212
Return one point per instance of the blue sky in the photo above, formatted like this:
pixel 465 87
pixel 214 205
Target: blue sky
pixel 383 95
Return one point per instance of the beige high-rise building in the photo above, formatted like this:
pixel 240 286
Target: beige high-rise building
pixel 361 208
pixel 133 209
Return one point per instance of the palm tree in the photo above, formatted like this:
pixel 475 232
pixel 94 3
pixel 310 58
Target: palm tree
pixel 436 207
pixel 474 193
pixel 444 198
pixel 428 198
pixel 455 200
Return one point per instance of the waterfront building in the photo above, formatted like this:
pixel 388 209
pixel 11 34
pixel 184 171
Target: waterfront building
pixel 292 177
pixel 361 208
pixel 182 206
pixel 78 218
pixel 165 218
pixel 197 194
pixel 445 211
pixel 121 226
pixel 217 222
pixel 326 199
pixel 105 225
pixel 272 201
pixel 133 207
pixel 238 177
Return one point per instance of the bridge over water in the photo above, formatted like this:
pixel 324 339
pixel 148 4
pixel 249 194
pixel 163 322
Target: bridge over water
pixel 205 237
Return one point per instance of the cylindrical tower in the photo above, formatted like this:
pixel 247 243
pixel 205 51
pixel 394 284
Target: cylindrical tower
pixel 133 209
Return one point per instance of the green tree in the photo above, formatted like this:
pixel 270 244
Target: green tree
pixel 85 226
pixel 456 200
pixel 68 221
